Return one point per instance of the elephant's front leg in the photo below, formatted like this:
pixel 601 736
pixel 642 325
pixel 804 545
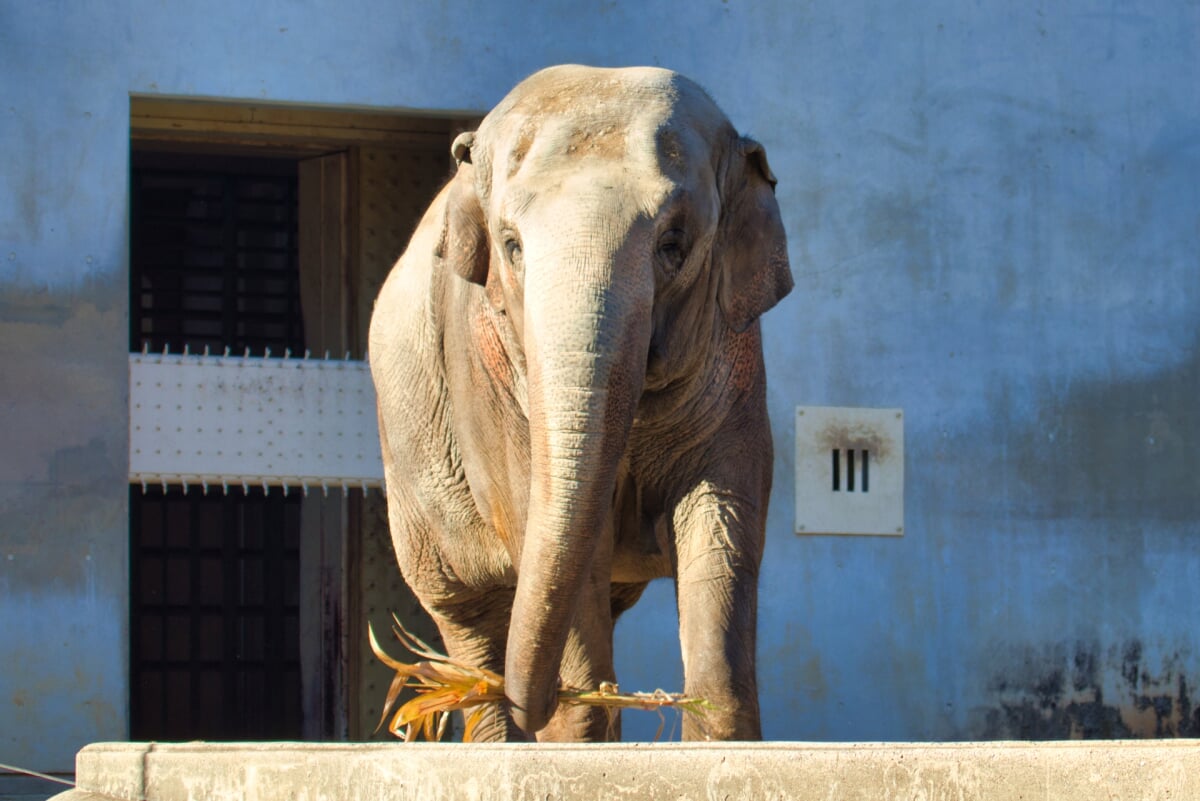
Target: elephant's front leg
pixel 474 633
pixel 718 549
pixel 588 661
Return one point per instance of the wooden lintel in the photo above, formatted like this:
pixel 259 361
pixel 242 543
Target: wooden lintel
pixel 304 130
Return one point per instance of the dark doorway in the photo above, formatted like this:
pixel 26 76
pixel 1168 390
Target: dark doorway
pixel 215 643
pixel 258 227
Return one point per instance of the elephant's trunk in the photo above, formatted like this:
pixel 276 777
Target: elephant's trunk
pixel 586 340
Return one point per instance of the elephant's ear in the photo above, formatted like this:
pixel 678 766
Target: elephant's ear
pixel 751 249
pixel 463 245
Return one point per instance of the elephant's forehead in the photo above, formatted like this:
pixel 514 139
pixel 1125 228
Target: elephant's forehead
pixel 647 132
pixel 648 155
pixel 602 132
pixel 606 114
pixel 589 181
pixel 574 90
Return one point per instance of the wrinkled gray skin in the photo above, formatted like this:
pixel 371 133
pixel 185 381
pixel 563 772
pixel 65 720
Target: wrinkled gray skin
pixel 571 392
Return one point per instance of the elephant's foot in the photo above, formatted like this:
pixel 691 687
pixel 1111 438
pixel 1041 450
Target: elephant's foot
pixel 731 719
pixel 582 724
pixel 495 725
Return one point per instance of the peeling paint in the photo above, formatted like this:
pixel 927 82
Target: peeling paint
pixel 1089 692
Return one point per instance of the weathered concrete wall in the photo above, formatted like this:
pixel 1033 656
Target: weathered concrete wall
pixel 63 385
pixel 994 216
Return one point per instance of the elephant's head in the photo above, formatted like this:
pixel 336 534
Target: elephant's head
pixel 620 224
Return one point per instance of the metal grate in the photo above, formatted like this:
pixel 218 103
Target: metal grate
pixel 214 255
pixel 215 616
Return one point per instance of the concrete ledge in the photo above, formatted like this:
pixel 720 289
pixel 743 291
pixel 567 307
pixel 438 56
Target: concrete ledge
pixel 993 771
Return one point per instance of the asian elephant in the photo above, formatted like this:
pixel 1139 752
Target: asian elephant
pixel 571 392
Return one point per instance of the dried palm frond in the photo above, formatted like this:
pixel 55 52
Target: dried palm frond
pixel 443 686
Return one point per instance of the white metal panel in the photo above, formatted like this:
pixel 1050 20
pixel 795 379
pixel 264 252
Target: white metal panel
pixel 849 471
pixel 213 420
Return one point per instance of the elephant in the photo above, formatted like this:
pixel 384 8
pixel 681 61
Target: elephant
pixel 572 395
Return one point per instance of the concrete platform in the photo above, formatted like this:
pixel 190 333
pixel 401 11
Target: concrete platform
pixel 993 771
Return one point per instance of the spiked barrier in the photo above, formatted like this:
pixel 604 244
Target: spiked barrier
pixel 205 421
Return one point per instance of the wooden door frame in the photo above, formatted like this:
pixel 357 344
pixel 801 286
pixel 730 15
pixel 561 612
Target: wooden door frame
pixel 324 143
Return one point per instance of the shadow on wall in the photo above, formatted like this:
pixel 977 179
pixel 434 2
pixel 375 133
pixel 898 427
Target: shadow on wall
pixel 1123 450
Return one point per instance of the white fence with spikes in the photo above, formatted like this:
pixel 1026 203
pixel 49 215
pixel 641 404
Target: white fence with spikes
pixel 205 421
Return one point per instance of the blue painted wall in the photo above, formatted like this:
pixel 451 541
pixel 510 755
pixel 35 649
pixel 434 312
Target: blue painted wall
pixel 994 214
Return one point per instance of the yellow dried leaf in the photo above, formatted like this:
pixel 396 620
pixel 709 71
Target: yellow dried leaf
pixel 398 684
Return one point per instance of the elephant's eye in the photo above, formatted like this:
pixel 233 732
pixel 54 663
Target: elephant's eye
pixel 512 249
pixel 671 250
